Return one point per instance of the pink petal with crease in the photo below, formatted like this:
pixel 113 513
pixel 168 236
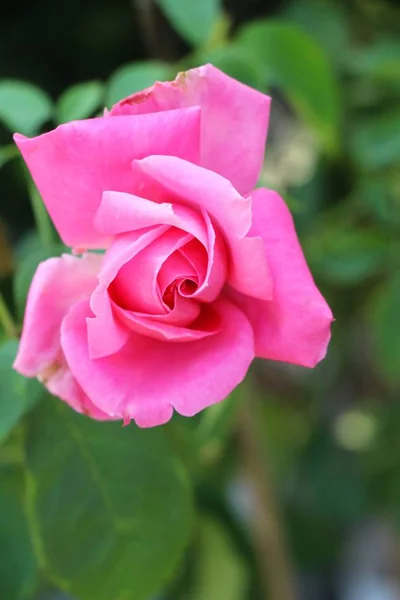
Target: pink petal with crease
pixel 187 183
pixel 234 119
pixel 63 385
pixel 184 312
pixel 119 213
pixel 136 284
pixel 57 284
pixel 295 326
pixel 148 377
pixel 106 334
pixel 73 164
pixel 205 324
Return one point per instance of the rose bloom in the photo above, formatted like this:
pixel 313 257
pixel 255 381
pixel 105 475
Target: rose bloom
pixel 201 272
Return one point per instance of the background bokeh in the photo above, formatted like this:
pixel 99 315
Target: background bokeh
pixel 178 513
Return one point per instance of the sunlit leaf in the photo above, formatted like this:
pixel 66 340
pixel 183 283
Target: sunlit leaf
pixel 23 106
pixel 220 571
pixel 80 101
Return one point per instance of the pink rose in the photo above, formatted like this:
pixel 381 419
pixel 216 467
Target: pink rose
pixel 200 274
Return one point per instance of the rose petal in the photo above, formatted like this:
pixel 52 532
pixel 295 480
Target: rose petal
pixel 207 323
pixel 105 334
pixel 184 312
pixel 57 284
pixel 119 213
pixel 147 377
pixel 63 385
pixel 135 286
pixel 295 326
pixel 234 119
pixel 73 164
pixel 249 272
pixel 122 213
pixel 177 268
pixel 217 267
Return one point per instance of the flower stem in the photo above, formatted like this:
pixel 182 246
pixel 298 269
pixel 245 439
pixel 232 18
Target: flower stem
pixel 274 567
pixel 42 219
pixel 6 319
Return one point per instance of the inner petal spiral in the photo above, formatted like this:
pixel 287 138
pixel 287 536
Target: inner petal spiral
pixel 136 286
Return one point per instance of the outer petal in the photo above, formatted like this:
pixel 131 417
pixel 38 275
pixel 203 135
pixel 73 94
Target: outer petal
pixel 57 284
pixel 63 385
pixel 73 164
pixel 147 377
pixel 188 183
pixel 233 125
pixel 295 326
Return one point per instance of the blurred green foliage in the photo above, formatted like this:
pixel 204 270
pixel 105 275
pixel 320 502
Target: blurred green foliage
pixel 108 513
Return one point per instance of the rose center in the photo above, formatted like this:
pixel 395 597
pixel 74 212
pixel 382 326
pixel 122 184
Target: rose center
pixel 185 287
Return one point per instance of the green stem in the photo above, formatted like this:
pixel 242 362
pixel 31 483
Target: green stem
pixel 43 223
pixel 6 319
pixel 42 219
pixel 276 574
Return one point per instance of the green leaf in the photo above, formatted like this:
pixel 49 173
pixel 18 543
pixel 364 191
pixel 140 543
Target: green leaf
pixel 23 106
pixel 44 225
pixel 104 500
pixel 376 142
pixel 26 270
pixel 379 195
pixel 217 424
pixel 135 77
pixel 192 19
pixel 233 61
pixel 79 101
pixel 316 491
pixel 326 22
pixel 18 394
pixel 17 564
pixel 294 62
pixel 29 243
pixel 7 153
pixel 378 61
pixel 346 257
pixel 315 540
pixel 220 571
pixel 385 323
pixel 287 431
